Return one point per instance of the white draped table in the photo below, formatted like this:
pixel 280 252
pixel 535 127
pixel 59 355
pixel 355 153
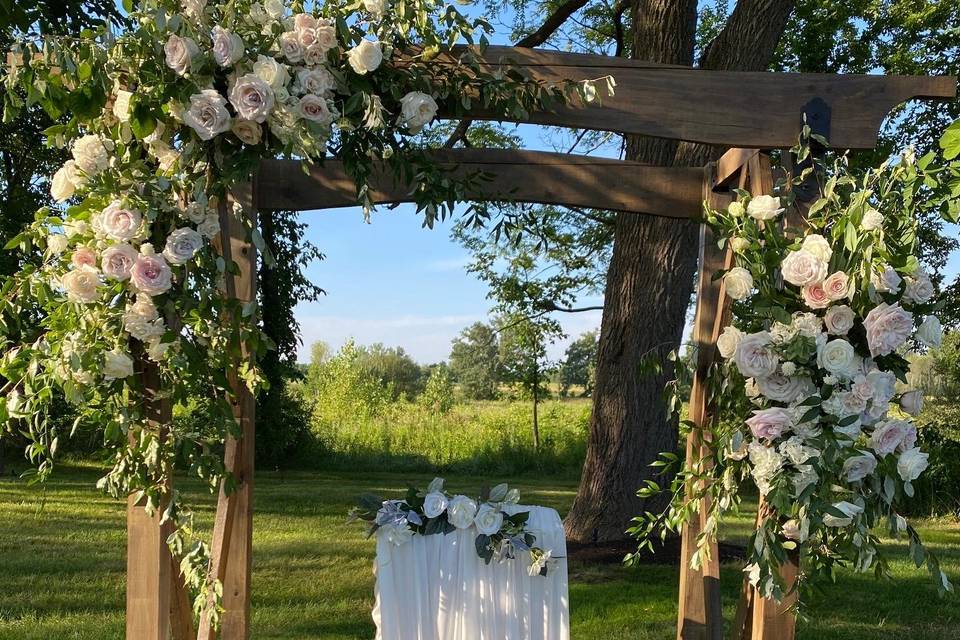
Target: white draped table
pixel 437 588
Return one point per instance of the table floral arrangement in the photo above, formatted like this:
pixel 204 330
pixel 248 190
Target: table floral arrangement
pixel 500 536
pixel 811 392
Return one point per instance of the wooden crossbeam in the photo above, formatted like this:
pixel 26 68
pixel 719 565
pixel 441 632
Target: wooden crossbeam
pixel 512 175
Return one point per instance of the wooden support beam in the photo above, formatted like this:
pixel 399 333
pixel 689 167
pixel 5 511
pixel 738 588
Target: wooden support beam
pixel 149 562
pixel 668 102
pixel 231 559
pixel 510 175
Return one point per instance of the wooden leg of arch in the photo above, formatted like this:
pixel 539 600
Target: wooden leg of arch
pixel 232 547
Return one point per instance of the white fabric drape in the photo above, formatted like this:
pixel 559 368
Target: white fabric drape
pixel 437 588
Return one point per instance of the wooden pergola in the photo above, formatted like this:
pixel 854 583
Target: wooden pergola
pixel 749 113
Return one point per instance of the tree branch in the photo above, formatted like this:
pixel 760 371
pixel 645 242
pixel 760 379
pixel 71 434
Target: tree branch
pixel 553 22
pixel 550 305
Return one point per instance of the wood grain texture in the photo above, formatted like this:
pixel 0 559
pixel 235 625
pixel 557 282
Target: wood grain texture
pixel 149 562
pixel 522 176
pixel 231 559
pixel 744 109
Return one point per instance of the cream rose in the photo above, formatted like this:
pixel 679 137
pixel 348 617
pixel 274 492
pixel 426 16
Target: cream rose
pixel 272 72
pixel 57 243
pixel 434 504
pixel 738 283
pixel 728 342
pixel 738 244
pixel 888 327
pixel 64 182
pixel 84 257
pixel 325 35
pixel 118 222
pixel 818 246
pixel 252 97
pixel 839 319
pixel 365 57
pixel 314 108
pixel 179 53
pixel 919 288
pixel 317 81
pixel 417 110
pixel 121 105
pixel 151 274
pixel 837 286
pixel 912 402
pixel 461 511
pixel 887 280
pixel 781 388
pixel 274 8
pixel 872 220
pixel 118 260
pixel 208 114
pixel 488 520
pixel 248 132
pixel 290 47
pixel 801 268
pixel 90 156
pixel 117 365
pixel 930 332
pixel 142 320
pixel 81 285
pixel 228 47
pixel 182 245
pixel 210 227
pixel 856 468
pixel 838 357
pixel 911 464
pixel 754 357
pixel 736 209
pixel 764 207
pixel 374 8
pixel 815 296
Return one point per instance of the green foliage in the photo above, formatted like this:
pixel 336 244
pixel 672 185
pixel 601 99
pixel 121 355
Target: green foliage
pixel 938 489
pixel 579 363
pixel 439 394
pixel 393 368
pixel 475 363
pixel 342 391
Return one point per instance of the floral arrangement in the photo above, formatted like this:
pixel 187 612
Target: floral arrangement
pixel 162 120
pixel 811 397
pixel 499 536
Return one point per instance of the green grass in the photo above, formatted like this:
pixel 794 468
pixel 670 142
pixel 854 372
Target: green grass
pixel 62 569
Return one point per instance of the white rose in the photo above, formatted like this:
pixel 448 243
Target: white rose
pixel 179 53
pixel 195 212
pixel 461 511
pixel 930 332
pixel 858 467
pixel 194 8
pixel 81 285
pixel 781 388
pixel 796 452
pixel 326 36
pixel 796 531
pixel 142 320
pixel 90 155
pixel 849 510
pixel 57 243
pixel 738 244
pixel 489 519
pixel 248 132
pixel 884 384
pixel 157 349
pixel 117 365
pixel 886 281
pixel 754 357
pixel 270 71
pixel 818 246
pixel 838 357
pixel 417 110
pixel 839 319
pixel 807 324
pixel 374 8
pixel 919 288
pixel 434 504
pixel 728 342
pixel 801 268
pixel 872 220
pixel 317 81
pixel 118 260
pixel 182 245
pixel 888 435
pixel 764 207
pixel 118 223
pixel 210 227
pixel 314 108
pixel 121 105
pixel 151 274
pixel 274 8
pixel 912 402
pixel 64 183
pixel 396 534
pixel 290 47
pixel 738 283
pixel 911 464
pixel 365 57
pixel 252 97
pixel 208 114
pixel 888 327
pixel 228 47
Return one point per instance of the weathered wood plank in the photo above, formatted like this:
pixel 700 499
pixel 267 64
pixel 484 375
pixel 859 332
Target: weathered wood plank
pixel 744 109
pixel 522 176
pixel 149 562
pixel 232 547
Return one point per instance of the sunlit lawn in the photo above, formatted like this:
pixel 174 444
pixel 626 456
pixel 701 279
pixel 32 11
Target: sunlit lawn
pixel 62 564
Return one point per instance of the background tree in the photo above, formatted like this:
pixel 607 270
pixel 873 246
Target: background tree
pixel 579 362
pixel 475 363
pixel 400 375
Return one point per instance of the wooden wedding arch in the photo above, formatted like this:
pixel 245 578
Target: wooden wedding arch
pixel 749 113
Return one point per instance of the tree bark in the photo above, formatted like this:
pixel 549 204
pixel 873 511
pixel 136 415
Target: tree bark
pixel 650 280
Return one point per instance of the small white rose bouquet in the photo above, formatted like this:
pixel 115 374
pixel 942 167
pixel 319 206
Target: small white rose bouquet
pixel 499 535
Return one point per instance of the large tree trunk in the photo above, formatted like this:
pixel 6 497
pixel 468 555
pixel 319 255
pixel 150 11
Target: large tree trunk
pixel 650 280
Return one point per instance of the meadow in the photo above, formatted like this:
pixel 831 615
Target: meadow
pixel 62 567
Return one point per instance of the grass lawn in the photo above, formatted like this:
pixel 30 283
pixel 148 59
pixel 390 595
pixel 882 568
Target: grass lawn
pixel 62 569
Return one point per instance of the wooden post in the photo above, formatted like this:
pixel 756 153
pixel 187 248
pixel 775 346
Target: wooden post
pixel 699 613
pixel 149 562
pixel 232 547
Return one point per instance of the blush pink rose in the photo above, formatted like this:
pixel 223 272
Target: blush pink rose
pixel 837 286
pixel 770 423
pixel 151 274
pixel 888 327
pixel 815 296
pixel 84 257
pixel 118 260
pixel 889 435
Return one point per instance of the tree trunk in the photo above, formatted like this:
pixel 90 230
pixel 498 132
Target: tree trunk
pixel 536 400
pixel 650 281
